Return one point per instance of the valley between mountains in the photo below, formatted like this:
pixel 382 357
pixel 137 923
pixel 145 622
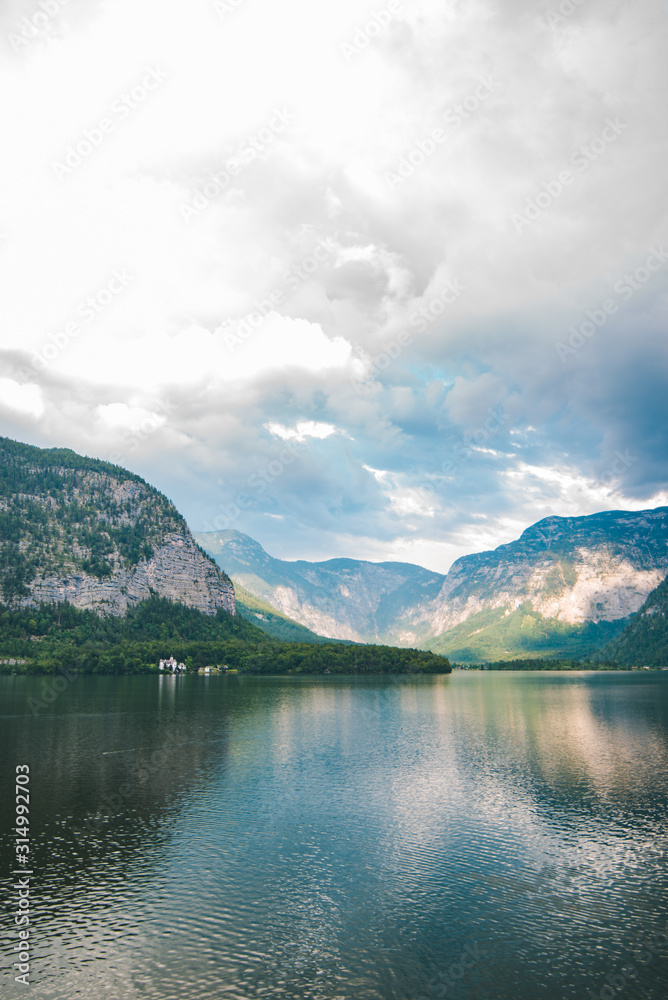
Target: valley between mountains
pixel 91 536
pixel 567 587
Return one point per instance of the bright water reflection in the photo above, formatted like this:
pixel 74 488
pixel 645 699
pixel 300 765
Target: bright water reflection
pixel 474 836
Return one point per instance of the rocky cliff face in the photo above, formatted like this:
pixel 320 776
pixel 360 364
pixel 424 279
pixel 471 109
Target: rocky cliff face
pixel 573 570
pixel 177 570
pixel 558 589
pixel 339 598
pixel 92 534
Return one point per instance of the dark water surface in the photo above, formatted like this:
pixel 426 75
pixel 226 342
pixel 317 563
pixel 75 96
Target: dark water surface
pixel 485 835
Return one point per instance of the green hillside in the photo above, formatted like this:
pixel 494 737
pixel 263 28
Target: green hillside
pixel 644 642
pixel 36 632
pixel 60 638
pixel 493 635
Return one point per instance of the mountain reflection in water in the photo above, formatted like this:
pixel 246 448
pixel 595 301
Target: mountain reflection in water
pixel 487 835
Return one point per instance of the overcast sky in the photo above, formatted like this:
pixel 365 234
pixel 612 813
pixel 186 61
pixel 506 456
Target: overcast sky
pixel 383 280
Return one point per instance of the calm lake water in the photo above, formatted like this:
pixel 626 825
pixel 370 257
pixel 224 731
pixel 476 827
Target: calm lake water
pixel 484 835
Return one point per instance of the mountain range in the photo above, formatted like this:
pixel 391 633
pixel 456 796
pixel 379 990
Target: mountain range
pixel 566 587
pixel 340 598
pixel 100 574
pixel 89 534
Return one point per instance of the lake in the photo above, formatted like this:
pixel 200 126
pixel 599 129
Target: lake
pixel 497 836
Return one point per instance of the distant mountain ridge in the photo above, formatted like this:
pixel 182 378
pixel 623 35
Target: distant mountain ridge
pixel 273 622
pixel 338 598
pixel 564 579
pixel 565 587
pixel 598 567
pixel 85 532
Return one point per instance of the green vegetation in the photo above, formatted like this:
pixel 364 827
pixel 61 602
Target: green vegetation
pixel 492 635
pixel 60 637
pixel 534 663
pixel 644 642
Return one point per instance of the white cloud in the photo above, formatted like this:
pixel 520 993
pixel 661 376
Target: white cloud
pixel 121 416
pixel 565 492
pixel 183 327
pixel 25 399
pixel 197 355
pixel 303 430
pixel 380 475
